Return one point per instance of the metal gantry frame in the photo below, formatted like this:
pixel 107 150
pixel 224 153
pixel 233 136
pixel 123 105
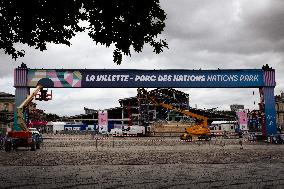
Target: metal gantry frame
pixel 264 79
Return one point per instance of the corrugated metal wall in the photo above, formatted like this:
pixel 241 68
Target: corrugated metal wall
pixel 20 77
pixel 269 78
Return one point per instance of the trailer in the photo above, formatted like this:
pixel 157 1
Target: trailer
pixel 56 126
pixel 134 130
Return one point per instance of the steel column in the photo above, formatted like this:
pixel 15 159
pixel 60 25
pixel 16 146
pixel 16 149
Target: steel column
pixel 21 92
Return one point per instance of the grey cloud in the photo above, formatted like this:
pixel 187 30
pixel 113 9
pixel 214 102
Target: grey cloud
pixel 7 65
pixel 206 34
pixel 202 99
pixel 267 21
pixel 227 26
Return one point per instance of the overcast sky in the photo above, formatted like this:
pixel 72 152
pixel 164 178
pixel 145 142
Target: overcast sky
pixel 207 34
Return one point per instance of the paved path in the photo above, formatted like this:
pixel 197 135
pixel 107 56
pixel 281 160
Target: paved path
pixel 144 164
pixel 145 176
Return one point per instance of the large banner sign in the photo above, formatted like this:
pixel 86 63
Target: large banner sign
pixel 146 78
pixel 242 119
pixel 103 121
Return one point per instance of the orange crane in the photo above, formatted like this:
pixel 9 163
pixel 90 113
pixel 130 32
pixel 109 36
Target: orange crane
pixel 201 130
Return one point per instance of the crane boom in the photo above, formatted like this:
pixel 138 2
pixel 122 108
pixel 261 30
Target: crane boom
pixel 198 130
pixel 185 112
pixel 20 110
pixel 171 107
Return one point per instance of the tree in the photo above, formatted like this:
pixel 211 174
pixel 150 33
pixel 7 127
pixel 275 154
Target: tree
pixel 125 23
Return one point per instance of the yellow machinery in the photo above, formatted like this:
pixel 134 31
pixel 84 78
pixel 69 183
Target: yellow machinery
pixel 201 130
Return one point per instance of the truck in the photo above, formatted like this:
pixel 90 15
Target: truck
pixel 25 137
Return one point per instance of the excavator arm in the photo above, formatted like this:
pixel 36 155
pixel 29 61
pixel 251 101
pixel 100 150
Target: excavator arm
pixel 171 107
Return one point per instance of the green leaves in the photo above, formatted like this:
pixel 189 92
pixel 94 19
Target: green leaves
pixel 124 23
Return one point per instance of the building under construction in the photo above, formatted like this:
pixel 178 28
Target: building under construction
pixel 148 107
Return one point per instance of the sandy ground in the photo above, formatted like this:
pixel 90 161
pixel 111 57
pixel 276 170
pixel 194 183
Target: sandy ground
pixel 82 162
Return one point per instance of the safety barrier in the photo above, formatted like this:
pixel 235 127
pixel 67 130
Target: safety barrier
pixel 110 138
pixel 126 135
pixel 142 139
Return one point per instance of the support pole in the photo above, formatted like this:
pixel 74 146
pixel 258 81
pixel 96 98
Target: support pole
pixel 21 92
pixel 267 103
pixel 270 112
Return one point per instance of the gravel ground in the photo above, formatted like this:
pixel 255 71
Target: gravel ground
pixel 79 162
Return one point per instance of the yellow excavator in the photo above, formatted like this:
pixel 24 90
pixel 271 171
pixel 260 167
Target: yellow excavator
pixel 201 130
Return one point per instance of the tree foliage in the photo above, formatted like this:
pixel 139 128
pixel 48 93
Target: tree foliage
pixel 51 117
pixel 128 24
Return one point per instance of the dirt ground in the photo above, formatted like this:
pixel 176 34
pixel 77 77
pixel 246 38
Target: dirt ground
pixel 148 162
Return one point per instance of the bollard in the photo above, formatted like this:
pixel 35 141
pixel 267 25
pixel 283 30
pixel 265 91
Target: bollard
pixel 96 143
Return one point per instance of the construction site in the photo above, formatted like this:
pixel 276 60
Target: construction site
pixel 158 94
pixel 153 140
pixel 163 111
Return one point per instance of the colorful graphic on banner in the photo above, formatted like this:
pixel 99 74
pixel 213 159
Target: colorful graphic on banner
pixel 54 78
pixel 103 121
